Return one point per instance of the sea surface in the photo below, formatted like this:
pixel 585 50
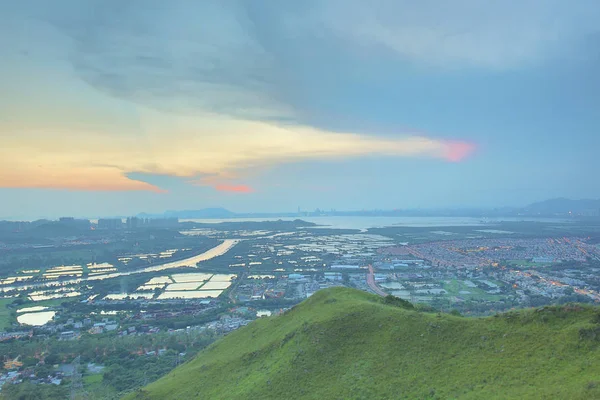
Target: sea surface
pixel 363 223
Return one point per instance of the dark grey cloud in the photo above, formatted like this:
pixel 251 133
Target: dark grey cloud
pixel 180 56
pixel 269 51
pixel 339 64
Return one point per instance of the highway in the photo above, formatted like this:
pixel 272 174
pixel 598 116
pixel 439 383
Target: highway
pixel 371 282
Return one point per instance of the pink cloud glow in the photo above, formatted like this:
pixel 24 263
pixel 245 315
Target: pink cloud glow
pixel 456 151
pixel 222 183
pixel 223 187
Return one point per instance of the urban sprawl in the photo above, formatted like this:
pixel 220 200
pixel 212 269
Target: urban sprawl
pixel 71 280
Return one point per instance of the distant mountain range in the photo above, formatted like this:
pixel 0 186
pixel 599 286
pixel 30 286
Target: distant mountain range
pixel 565 206
pixel 213 213
pixel 217 212
pixel 560 207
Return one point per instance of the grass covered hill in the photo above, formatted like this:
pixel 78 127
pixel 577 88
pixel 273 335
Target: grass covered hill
pixel 346 344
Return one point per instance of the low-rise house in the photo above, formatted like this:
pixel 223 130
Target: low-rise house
pixel 67 335
pixel 111 327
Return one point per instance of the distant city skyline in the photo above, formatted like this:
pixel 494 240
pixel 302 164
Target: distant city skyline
pixel 116 108
pixel 557 207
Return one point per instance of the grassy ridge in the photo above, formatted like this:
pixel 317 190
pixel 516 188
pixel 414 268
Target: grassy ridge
pixel 346 344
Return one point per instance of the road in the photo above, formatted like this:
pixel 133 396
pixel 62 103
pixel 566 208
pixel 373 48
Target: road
pixel 235 285
pixel 372 284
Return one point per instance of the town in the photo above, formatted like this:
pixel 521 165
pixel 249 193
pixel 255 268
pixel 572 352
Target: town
pixel 164 289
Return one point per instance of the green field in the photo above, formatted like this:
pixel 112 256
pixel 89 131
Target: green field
pixel 346 344
pixel 5 318
pixel 454 287
pixel 92 379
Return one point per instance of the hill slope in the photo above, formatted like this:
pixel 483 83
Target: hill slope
pixel 563 206
pixel 346 344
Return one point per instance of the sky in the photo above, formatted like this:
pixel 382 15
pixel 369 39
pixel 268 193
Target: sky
pixel 115 107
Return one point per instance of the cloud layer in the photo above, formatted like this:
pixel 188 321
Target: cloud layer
pixel 156 92
pixel 494 34
pixel 224 149
pixel 95 92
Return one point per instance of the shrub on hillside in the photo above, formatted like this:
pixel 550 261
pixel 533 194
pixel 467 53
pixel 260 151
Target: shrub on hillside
pixel 398 302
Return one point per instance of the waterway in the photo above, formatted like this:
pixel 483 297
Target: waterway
pixel 216 251
pixel 362 223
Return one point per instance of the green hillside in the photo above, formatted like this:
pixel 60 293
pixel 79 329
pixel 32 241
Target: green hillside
pixel 347 344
